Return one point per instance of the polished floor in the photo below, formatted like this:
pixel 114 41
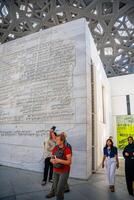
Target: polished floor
pixel 17 184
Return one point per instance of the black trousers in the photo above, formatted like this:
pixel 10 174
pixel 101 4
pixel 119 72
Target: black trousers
pixel 129 172
pixel 48 168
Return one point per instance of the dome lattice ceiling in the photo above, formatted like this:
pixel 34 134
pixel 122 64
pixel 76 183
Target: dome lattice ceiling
pixel 110 21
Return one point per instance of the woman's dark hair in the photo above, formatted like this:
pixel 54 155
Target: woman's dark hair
pixel 53 127
pixel 130 137
pixel 50 135
pixel 111 143
pixel 55 133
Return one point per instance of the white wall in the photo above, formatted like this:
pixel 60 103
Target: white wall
pixel 120 87
pixel 45 80
pixel 102 127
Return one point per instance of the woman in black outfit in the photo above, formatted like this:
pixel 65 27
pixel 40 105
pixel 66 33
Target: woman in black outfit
pixel 128 154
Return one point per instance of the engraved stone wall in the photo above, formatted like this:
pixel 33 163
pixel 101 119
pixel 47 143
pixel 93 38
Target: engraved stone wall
pixel 45 81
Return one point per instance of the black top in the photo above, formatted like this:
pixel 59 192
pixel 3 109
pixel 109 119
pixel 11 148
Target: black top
pixel 129 149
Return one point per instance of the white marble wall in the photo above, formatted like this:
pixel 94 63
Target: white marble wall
pixel 45 80
pixel 102 129
pixel 120 87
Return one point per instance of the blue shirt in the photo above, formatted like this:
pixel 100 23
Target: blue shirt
pixel 110 152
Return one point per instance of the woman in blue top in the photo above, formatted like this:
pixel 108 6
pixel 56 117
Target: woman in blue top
pixel 112 162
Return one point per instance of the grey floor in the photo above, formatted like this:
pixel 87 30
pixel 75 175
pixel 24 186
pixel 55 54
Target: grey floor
pixel 17 184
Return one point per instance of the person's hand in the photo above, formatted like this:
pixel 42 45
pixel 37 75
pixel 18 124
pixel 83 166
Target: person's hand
pixel 117 165
pixel 56 160
pixel 52 160
pixel 102 165
pixel 126 154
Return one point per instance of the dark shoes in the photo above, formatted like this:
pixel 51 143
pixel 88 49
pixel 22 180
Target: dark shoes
pixel 50 195
pixel 131 194
pixel 43 182
pixel 66 191
pixel 112 188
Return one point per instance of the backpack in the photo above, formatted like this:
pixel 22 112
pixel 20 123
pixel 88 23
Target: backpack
pixel 59 154
pixel 69 146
